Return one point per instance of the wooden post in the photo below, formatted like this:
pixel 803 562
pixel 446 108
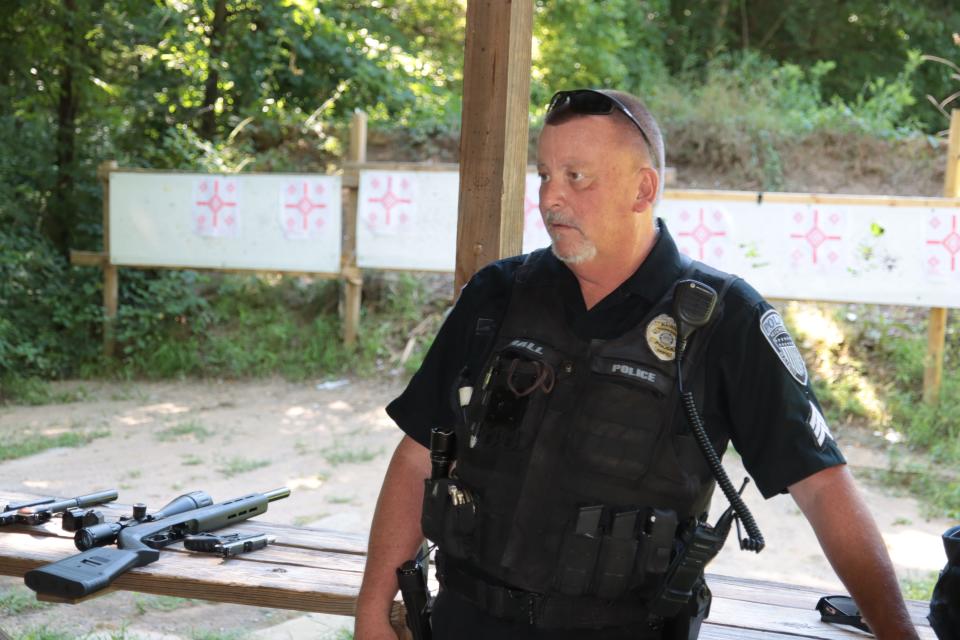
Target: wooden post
pixel 937 318
pixel 352 277
pixel 493 137
pixel 110 281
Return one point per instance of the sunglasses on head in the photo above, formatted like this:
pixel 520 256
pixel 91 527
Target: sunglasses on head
pixel 587 102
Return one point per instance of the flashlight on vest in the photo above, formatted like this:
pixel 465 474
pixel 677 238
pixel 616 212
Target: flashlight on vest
pixel 693 304
pixel 442 446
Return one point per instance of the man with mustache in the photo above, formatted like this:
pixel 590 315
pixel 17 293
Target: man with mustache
pixel 578 482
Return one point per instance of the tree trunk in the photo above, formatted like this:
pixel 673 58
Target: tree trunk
pixel 719 30
pixel 59 220
pixel 208 117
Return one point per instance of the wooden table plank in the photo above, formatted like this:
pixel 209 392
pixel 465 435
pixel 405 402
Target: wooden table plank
pixel 793 596
pixel 803 623
pixel 716 632
pixel 320 571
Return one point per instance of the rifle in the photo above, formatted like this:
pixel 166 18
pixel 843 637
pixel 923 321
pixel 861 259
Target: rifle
pixel 139 541
pixel 41 510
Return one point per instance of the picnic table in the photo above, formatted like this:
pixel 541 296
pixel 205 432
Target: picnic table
pixel 319 570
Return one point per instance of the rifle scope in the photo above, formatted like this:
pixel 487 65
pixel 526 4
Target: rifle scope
pixel 101 535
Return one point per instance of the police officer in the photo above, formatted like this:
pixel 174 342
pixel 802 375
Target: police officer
pixel 576 472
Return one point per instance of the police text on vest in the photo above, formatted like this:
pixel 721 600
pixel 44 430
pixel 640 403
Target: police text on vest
pixel 634 372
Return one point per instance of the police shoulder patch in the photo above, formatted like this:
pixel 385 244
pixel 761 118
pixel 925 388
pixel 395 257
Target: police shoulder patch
pixel 773 329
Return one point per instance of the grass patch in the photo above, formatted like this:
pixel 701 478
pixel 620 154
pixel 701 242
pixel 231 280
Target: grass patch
pixel 238 465
pixel 191 460
pixel 34 392
pixel 145 603
pixel 128 393
pixel 218 635
pixel 18 600
pixel 21 445
pixel 339 499
pixel 44 633
pixel 337 455
pixel 919 588
pixel 300 521
pixel 302 448
pixel 191 428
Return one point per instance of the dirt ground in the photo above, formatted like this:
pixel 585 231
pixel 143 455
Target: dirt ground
pixel 330 443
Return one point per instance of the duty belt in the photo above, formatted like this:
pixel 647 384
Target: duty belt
pixel 546 611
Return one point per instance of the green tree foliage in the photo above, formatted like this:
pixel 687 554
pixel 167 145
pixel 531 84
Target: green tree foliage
pixel 617 43
pixel 231 85
pixel 216 85
pixel 868 40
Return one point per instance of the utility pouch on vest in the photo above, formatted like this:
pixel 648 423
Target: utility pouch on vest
pixel 579 554
pixel 617 555
pixel 515 378
pixel 449 515
pixel 608 556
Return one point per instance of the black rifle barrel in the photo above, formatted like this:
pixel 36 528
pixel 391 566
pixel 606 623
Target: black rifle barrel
pixel 13 506
pixel 81 501
pixel 40 513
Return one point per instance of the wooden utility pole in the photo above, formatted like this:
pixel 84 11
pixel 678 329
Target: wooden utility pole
pixel 494 130
pixel 352 277
pixel 937 319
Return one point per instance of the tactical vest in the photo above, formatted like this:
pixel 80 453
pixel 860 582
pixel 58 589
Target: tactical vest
pixel 569 476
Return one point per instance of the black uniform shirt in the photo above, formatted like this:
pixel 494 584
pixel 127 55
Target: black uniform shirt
pixel 754 394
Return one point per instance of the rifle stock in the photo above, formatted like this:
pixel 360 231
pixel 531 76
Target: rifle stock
pixel 82 574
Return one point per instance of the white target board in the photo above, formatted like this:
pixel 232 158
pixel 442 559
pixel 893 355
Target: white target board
pixel 867 249
pixel 408 219
pixel 847 249
pixel 271 222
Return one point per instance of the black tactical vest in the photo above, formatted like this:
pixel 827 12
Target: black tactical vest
pixel 570 478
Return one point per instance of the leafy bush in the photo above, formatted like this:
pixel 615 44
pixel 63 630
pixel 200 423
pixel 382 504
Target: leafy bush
pixel 48 312
pixel 747 109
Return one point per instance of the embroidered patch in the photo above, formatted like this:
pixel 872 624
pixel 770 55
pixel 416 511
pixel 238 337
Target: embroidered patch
pixel 818 425
pixel 773 329
pixel 662 337
pixel 527 345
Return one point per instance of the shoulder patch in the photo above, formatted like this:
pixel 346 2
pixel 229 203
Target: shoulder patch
pixel 818 425
pixel 773 329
